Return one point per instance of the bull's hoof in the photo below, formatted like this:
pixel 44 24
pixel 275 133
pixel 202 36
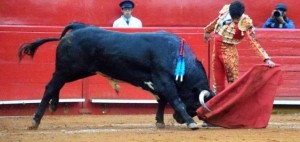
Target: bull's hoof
pixel 193 126
pixel 34 125
pixel 52 106
pixel 160 125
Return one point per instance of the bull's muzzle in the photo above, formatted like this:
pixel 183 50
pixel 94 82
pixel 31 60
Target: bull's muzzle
pixel 204 94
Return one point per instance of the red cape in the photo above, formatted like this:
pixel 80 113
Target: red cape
pixel 246 103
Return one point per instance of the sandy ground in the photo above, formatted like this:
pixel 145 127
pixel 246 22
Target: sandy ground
pixel 140 128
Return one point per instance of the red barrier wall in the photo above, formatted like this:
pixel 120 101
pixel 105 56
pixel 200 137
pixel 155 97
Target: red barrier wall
pixel 283 46
pixel 30 76
pixel 153 13
pixel 27 80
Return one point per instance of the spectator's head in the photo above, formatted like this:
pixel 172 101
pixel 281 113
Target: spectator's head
pixel 280 10
pixel 127 7
pixel 236 10
pixel 281 7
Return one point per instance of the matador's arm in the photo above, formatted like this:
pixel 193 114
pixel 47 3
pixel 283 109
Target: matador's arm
pixel 246 25
pixel 255 45
pixel 211 26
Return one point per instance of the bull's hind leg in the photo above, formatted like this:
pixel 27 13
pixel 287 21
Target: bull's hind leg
pixel 52 93
pixel 160 113
pixel 52 90
pixel 54 103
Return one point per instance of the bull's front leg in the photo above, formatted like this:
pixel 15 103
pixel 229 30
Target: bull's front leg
pixel 180 107
pixel 166 88
pixel 160 113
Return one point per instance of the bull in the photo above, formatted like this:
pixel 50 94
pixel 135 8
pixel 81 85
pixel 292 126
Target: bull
pixel 145 59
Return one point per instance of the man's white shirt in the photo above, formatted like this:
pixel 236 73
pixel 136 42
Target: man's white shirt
pixel 132 23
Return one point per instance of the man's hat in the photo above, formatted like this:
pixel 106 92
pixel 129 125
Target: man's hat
pixel 126 4
pixel 281 6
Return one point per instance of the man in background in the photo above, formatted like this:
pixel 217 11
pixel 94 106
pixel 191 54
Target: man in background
pixel 127 20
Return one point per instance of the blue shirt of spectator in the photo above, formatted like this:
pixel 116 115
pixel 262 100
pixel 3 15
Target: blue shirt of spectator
pixel 279 19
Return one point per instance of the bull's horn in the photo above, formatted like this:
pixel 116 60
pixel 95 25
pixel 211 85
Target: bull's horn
pixel 202 95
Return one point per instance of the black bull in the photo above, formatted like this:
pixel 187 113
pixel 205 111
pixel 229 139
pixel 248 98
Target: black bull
pixel 146 60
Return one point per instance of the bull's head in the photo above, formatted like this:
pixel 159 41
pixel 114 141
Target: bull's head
pixel 193 102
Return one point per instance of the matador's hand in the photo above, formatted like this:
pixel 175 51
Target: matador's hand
pixel 270 63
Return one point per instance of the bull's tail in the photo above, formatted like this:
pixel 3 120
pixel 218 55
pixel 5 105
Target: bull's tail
pixel 30 48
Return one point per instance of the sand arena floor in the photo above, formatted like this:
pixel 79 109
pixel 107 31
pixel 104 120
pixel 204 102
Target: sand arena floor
pixel 140 128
